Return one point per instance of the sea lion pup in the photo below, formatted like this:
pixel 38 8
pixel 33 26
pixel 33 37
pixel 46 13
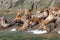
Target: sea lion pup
pixel 34 21
pixel 49 18
pixel 26 19
pixel 52 15
pixel 18 16
pixel 22 19
pixel 3 23
pixel 56 11
pixel 31 20
pixel 29 24
pixel 18 19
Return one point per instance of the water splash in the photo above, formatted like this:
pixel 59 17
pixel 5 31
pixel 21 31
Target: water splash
pixel 38 31
pixel 13 29
pixel 33 31
pixel 58 32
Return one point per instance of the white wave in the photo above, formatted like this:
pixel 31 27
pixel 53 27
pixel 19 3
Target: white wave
pixel 34 31
pixel 13 29
pixel 38 31
pixel 58 32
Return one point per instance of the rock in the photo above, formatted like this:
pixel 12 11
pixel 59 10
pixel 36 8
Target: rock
pixel 35 27
pixel 51 26
pixel 57 29
pixel 57 21
pixel 57 2
pixel 30 4
pixel 42 4
pixel 5 4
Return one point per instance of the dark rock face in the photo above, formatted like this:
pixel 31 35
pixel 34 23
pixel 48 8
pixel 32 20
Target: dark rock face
pixel 30 4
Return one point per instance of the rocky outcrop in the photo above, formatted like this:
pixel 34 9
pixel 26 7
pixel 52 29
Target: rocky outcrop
pixel 30 4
